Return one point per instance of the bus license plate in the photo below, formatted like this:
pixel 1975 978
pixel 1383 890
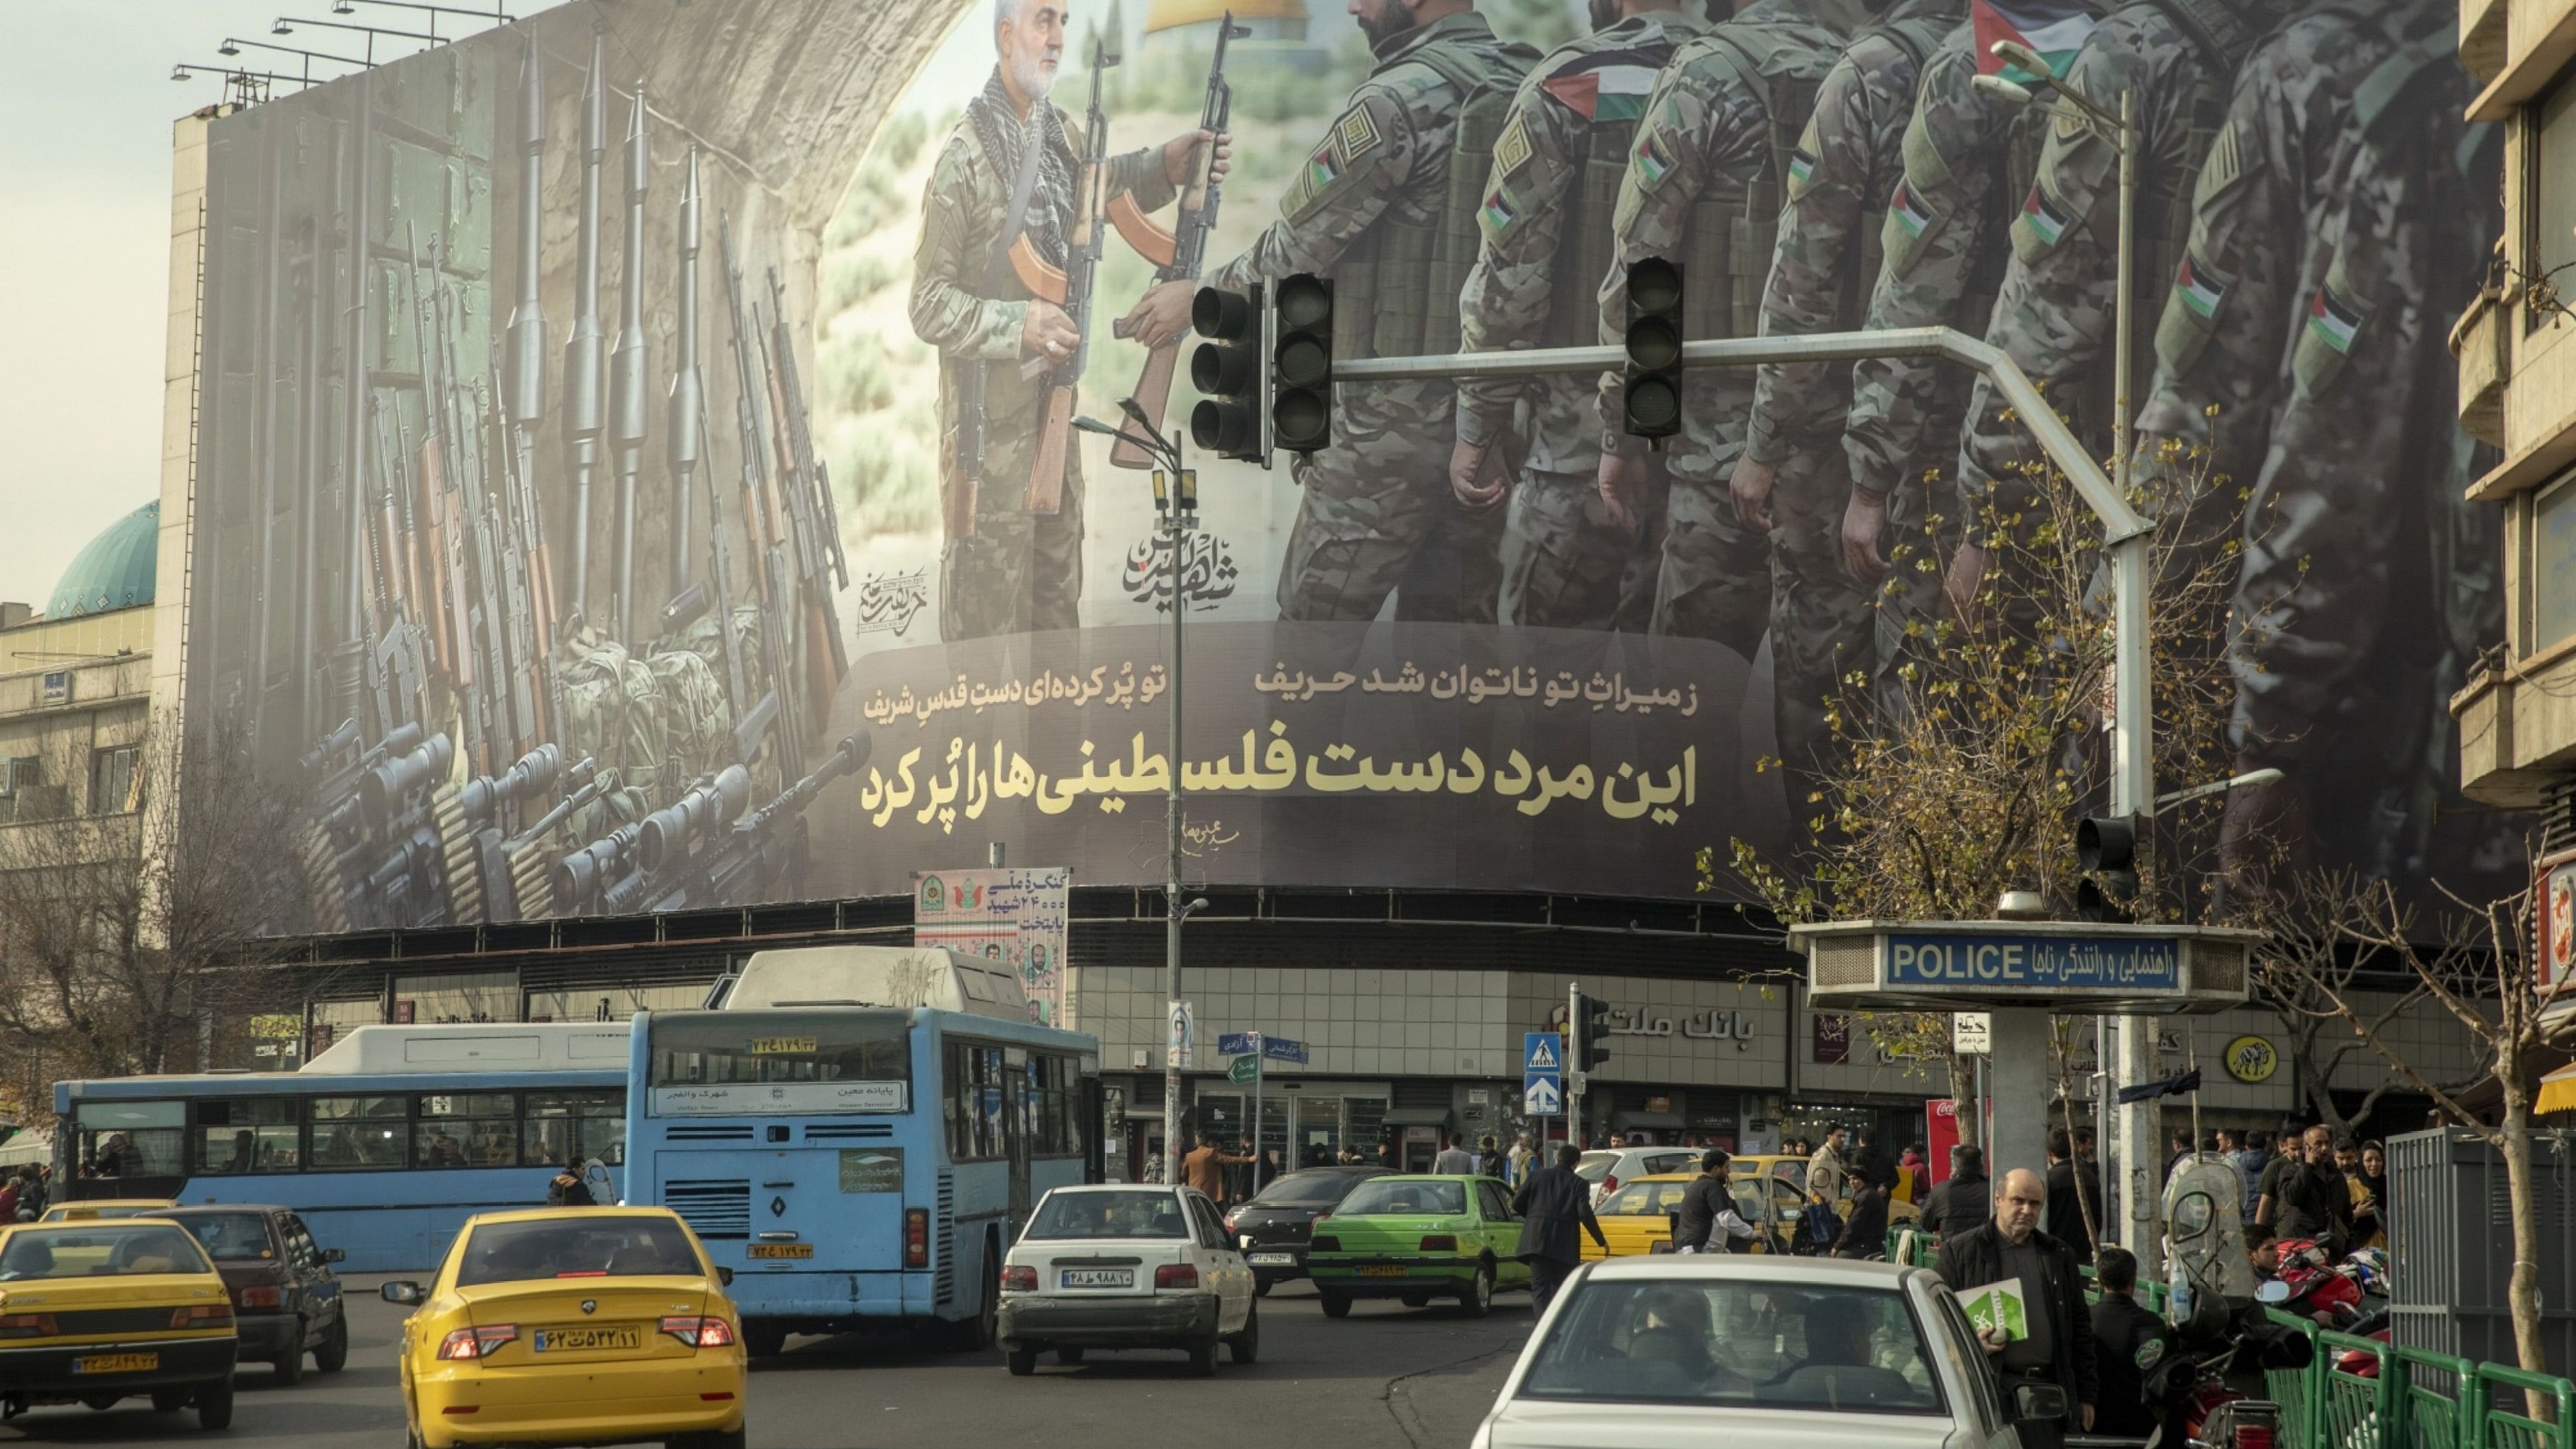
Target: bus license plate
pixel 1382 1270
pixel 574 1340
pixel 116 1363
pixel 782 1250
pixel 1098 1278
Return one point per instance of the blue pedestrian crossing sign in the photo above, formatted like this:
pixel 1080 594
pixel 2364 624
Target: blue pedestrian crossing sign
pixel 1541 1098
pixel 1539 1053
pixel 1542 1074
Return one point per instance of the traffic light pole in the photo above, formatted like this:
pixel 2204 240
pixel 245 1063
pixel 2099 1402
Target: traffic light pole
pixel 1573 1065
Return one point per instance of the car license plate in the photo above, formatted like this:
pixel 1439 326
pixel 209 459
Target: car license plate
pixel 782 1250
pixel 1098 1278
pixel 1382 1270
pixel 574 1340
pixel 116 1363
pixel 1273 1260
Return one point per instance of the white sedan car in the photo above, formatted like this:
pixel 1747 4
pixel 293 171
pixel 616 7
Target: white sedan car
pixel 1118 1265
pixel 1789 1353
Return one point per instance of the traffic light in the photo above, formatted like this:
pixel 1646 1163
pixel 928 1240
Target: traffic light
pixel 1227 370
pixel 1301 375
pixel 1653 408
pixel 2106 850
pixel 1592 1020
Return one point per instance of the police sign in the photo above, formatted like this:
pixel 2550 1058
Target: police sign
pixel 2052 965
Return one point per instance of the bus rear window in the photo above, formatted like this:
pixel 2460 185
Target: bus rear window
pixel 702 1060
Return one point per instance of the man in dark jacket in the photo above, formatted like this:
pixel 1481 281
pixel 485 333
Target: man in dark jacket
pixel 1552 1206
pixel 2074 1197
pixel 570 1187
pixel 1708 1221
pixel 2129 1342
pixel 1965 1199
pixel 2059 1346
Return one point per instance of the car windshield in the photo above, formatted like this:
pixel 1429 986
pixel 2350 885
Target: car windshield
pixel 1141 1214
pixel 1595 1165
pixel 99 1252
pixel 232 1237
pixel 1737 1343
pixel 583 1247
pixel 1306 1189
pixel 1396 1196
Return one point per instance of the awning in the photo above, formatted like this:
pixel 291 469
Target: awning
pixel 1417 1117
pixel 36 1147
pixel 2557 1091
pixel 1647 1121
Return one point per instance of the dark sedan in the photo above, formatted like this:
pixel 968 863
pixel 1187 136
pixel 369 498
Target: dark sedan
pixel 285 1296
pixel 1273 1228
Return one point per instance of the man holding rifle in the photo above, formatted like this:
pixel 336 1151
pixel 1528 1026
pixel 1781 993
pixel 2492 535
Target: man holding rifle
pixel 1000 221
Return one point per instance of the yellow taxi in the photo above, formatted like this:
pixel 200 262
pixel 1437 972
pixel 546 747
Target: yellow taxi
pixel 573 1326
pixel 94 1312
pixel 1638 1217
pixel 107 1207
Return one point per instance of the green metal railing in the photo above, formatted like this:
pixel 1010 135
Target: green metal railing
pixel 2414 1399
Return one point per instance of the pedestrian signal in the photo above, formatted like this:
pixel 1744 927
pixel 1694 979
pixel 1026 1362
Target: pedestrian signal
pixel 1227 370
pixel 2106 850
pixel 1301 377
pixel 1592 1025
pixel 1653 406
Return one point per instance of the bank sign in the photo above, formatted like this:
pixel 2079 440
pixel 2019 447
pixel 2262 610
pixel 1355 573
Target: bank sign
pixel 2039 963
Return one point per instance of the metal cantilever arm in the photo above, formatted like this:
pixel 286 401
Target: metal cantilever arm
pixel 2124 530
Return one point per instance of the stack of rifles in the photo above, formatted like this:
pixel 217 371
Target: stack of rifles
pixel 467 783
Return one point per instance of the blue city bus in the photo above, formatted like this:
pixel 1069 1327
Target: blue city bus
pixel 859 1132
pixel 384 1144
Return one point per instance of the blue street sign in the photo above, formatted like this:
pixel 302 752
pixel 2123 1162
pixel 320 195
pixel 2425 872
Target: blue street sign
pixel 1541 1098
pixel 1234 1044
pixel 1281 1049
pixel 2034 963
pixel 1540 1053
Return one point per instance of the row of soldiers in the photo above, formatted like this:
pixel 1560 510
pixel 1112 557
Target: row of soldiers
pixel 2308 218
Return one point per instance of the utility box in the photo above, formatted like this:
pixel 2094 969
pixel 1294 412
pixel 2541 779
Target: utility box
pixel 2450 1245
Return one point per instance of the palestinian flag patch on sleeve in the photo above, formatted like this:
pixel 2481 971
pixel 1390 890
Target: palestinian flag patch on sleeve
pixel 2333 320
pixel 1497 214
pixel 2200 289
pixel 1649 160
pixel 1910 214
pixel 2041 216
pixel 1802 168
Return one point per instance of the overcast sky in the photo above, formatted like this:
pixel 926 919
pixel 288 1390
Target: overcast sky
pixel 85 127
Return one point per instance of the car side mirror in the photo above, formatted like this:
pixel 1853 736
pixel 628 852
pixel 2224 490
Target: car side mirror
pixel 2275 1291
pixel 335 1255
pixel 2038 1403
pixel 725 1276
pixel 402 1291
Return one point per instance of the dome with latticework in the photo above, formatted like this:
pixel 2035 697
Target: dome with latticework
pixel 115 571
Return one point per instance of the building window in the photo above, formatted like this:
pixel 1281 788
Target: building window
pixel 2549 188
pixel 20 776
pixel 114 782
pixel 2551 566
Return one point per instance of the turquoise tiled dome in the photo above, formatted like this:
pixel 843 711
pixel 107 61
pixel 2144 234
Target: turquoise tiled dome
pixel 115 571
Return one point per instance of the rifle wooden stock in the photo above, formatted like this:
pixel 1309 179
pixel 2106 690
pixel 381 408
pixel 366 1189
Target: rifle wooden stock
pixel 1046 470
pixel 957 501
pixel 1044 282
pixel 1150 241
pixel 1153 395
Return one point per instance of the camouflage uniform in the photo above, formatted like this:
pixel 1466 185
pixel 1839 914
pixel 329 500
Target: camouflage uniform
pixel 1546 225
pixel 2056 313
pixel 1373 208
pixel 2253 254
pixel 1943 241
pixel 1828 255
pixel 2367 582
pixel 1710 134
pixel 1020 570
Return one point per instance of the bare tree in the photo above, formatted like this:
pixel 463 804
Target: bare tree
pixel 127 935
pixel 2307 969
pixel 2473 961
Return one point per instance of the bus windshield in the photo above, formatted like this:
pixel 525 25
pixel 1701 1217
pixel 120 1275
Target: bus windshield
pixel 781 1061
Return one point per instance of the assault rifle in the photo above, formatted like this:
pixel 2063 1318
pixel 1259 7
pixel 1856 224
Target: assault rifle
pixel 768 539
pixel 809 493
pixel 703 851
pixel 1177 254
pixel 1070 289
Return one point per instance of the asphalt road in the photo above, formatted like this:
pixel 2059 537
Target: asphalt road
pixel 1387 1377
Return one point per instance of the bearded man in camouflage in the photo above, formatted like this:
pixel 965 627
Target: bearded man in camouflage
pixel 1005 174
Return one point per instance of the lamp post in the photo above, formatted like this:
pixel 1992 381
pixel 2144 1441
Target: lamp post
pixel 233 45
pixel 1176 509
pixel 285 25
pixel 2132 774
pixel 496 14
pixel 249 87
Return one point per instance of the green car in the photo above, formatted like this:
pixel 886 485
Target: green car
pixel 1418 1238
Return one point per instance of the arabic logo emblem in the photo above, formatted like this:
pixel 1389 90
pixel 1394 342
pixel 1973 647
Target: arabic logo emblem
pixel 590 1305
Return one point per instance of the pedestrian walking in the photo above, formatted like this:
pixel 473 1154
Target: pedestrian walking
pixel 2251 1159
pixel 1205 1168
pixel 1965 1200
pixel 1453 1160
pixel 1708 1222
pixel 2128 1343
pixel 1873 1184
pixel 1553 1206
pixel 2058 1344
pixel 569 1188
pixel 2074 1196
pixel 1827 1171
pixel 1518 1165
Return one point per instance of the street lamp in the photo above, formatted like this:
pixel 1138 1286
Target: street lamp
pixel 285 25
pixel 496 14
pixel 1176 509
pixel 249 87
pixel 232 46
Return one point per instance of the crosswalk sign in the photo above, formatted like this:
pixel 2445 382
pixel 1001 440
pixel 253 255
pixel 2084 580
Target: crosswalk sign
pixel 1539 1052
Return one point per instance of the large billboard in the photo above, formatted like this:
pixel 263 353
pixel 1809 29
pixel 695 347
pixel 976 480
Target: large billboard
pixel 639 462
